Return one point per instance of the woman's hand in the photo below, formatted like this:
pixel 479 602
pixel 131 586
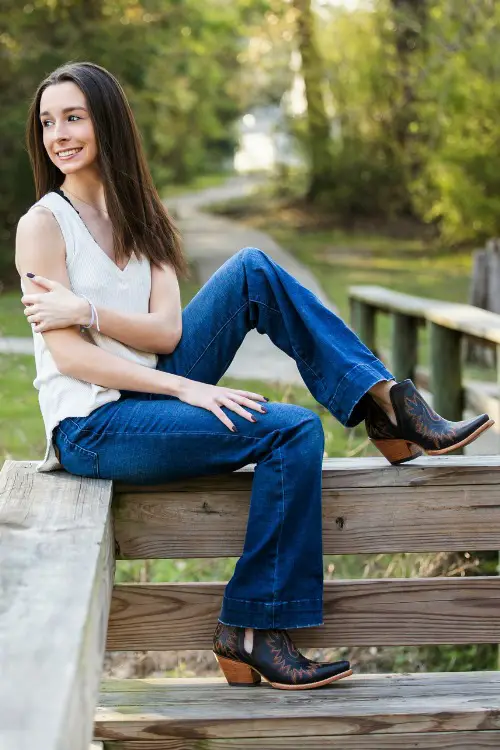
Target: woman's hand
pixel 57 308
pixel 212 397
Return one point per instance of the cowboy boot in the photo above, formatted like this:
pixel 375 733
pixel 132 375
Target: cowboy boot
pixel 273 657
pixel 419 429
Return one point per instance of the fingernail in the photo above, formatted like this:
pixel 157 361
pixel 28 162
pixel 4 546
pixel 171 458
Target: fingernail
pixel 253 419
pixel 30 275
pixel 264 411
pixel 266 399
pixel 234 429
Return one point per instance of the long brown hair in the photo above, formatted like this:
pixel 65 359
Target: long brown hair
pixel 141 224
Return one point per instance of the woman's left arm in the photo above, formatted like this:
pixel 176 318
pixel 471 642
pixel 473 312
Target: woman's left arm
pixel 157 331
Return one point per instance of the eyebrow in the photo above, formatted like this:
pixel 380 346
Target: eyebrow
pixel 66 109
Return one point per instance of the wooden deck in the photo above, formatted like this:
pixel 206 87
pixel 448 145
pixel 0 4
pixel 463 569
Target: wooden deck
pixel 366 711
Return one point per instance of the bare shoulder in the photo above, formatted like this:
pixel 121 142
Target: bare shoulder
pixel 39 238
pixel 38 219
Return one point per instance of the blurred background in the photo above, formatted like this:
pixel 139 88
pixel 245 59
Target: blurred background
pixel 357 141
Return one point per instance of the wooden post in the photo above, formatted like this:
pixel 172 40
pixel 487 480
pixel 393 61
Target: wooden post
pixel 404 346
pixel 363 322
pixel 446 372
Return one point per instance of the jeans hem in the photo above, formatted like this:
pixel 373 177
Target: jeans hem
pixel 351 389
pixel 301 613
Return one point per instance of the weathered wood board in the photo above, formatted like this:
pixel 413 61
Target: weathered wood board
pixel 56 578
pixel 427 741
pixel 383 612
pixel 467 319
pixel 444 504
pixel 374 705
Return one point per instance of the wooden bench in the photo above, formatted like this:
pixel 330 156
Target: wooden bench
pixel 432 504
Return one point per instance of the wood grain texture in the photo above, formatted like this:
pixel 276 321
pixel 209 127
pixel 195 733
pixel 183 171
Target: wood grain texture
pixel 350 473
pixel 56 576
pixel 419 517
pixel 428 741
pixel 372 705
pixel 386 612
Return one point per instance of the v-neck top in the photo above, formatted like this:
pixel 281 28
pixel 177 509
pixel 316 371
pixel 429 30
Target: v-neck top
pixel 94 274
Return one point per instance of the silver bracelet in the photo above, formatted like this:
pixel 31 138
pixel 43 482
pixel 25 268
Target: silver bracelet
pixel 94 316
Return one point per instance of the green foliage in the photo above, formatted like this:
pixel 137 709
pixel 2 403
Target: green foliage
pixel 177 61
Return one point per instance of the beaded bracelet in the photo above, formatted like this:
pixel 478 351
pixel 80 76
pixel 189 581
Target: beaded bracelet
pixel 94 315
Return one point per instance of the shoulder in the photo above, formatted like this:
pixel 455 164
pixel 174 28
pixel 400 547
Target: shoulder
pixel 38 232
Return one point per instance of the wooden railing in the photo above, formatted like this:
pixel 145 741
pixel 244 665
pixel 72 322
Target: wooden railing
pixel 57 547
pixel 448 323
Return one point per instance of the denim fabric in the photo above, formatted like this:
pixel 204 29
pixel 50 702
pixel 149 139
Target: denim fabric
pixel 149 438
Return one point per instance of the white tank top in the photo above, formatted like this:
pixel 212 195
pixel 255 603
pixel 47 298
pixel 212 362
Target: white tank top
pixel 92 273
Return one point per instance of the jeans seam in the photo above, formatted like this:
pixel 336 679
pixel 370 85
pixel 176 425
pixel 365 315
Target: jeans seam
pixel 156 434
pixel 321 380
pixel 348 375
pixel 272 604
pixel 245 304
pixel 282 519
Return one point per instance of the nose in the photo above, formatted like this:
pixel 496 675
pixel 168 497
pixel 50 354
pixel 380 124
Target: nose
pixel 59 131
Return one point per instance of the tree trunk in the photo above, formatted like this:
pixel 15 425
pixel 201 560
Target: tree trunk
pixel 317 119
pixel 410 21
pixel 485 293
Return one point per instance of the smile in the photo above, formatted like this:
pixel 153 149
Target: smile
pixel 68 154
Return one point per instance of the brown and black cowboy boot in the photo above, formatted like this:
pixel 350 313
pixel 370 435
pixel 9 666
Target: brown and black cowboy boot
pixel 419 429
pixel 273 657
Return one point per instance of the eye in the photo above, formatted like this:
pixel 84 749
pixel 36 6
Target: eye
pixel 45 122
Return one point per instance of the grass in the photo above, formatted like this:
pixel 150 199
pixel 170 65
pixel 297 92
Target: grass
pixel 198 183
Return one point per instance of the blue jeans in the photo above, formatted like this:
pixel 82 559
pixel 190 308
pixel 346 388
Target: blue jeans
pixel 148 438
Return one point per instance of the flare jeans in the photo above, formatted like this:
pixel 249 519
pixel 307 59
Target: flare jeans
pixel 148 438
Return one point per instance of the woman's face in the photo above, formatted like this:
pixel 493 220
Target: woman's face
pixel 66 126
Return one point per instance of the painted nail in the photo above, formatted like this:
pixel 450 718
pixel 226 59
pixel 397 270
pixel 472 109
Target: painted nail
pixel 253 419
pixel 266 399
pixel 264 411
pixel 234 429
pixel 30 275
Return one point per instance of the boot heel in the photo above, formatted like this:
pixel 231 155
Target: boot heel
pixel 237 673
pixel 397 451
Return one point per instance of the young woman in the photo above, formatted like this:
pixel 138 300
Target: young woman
pixel 128 382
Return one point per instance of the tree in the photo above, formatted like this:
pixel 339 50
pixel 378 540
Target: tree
pixel 318 125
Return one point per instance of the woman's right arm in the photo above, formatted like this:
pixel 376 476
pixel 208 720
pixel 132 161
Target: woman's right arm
pixel 40 249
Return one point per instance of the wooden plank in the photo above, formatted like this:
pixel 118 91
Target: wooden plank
pixel 56 576
pixel 375 705
pixel 446 372
pixel 349 472
pixel 404 348
pixel 418 518
pixel 385 612
pixel 473 321
pixel 390 301
pixel 429 741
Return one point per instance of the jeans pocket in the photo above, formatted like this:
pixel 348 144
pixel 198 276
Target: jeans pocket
pixel 74 458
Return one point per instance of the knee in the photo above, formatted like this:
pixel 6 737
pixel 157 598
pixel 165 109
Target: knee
pixel 251 255
pixel 307 426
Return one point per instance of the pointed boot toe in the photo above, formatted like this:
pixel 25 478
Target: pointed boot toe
pixel 419 429
pixel 273 657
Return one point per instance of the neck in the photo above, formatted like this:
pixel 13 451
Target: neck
pixel 88 188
